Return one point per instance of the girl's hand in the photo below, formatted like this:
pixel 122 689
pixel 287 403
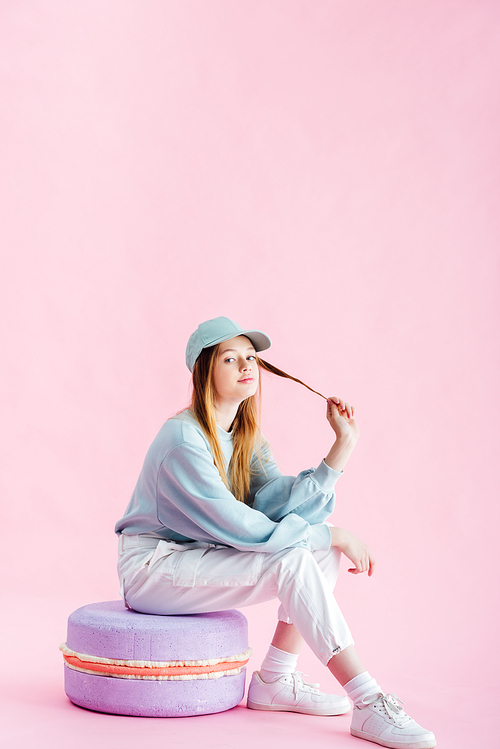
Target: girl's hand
pixel 340 416
pixel 354 549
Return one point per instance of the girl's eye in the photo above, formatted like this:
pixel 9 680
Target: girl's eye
pixel 229 359
pixel 251 358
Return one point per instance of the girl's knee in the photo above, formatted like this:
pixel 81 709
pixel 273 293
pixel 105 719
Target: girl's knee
pixel 329 562
pixel 301 564
pixel 296 558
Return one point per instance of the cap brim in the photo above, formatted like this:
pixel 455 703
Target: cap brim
pixel 260 340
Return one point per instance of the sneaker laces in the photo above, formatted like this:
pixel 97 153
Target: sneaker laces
pixel 394 708
pixel 298 681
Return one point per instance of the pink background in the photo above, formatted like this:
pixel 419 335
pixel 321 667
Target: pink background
pixel 327 172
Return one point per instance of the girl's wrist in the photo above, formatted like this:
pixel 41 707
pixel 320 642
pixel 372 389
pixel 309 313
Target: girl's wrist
pixel 340 452
pixel 338 536
pixel 346 438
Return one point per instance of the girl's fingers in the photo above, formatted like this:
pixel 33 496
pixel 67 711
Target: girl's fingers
pixel 372 566
pixel 347 409
pixel 343 407
pixel 333 407
pixel 365 564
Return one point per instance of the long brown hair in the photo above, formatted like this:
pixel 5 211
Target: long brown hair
pixel 274 370
pixel 245 427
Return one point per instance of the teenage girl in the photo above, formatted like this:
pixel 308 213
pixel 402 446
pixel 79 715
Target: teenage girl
pixel 213 524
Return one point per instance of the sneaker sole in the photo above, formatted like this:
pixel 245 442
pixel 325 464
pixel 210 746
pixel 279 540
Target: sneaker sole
pixel 424 744
pixel 305 710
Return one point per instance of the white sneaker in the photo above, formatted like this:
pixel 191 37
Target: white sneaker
pixel 292 693
pixel 385 722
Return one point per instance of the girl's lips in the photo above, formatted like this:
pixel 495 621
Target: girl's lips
pixel 247 379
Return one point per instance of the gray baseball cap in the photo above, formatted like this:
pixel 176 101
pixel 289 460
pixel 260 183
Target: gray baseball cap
pixel 220 329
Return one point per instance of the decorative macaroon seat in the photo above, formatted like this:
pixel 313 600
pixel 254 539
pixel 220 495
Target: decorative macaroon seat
pixel 123 662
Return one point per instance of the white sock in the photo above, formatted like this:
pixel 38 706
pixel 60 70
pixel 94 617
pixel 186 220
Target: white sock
pixel 277 663
pixel 363 689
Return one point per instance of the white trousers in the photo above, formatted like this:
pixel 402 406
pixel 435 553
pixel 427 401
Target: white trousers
pixel 164 577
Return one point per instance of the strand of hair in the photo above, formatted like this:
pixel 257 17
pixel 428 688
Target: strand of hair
pixel 274 370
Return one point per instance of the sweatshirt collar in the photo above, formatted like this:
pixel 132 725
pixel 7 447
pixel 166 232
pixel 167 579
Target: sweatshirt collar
pixel 223 435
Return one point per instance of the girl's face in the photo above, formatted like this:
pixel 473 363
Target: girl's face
pixel 235 372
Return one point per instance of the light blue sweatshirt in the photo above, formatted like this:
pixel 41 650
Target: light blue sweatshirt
pixel 180 496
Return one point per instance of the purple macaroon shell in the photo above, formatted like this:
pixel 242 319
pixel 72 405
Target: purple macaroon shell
pixel 154 699
pixel 110 630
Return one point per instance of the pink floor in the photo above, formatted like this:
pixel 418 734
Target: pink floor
pixel 37 713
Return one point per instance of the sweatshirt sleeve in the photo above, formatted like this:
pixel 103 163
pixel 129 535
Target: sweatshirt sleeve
pixel 193 501
pixel 310 495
